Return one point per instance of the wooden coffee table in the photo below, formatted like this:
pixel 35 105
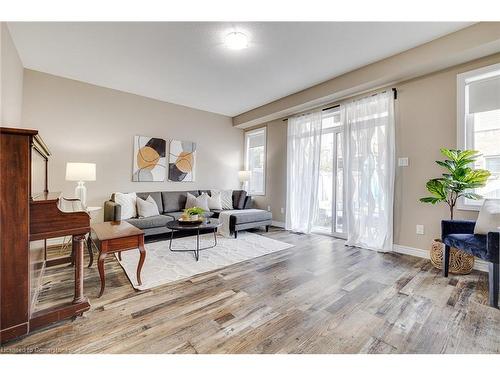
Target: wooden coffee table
pixel 115 237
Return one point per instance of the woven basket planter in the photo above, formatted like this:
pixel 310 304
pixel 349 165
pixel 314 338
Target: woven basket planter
pixel 460 263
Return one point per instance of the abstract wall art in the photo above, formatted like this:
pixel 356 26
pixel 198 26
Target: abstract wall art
pixel 181 161
pixel 149 159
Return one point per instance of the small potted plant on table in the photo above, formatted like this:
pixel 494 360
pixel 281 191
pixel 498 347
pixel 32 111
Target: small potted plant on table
pixel 193 214
pixel 458 181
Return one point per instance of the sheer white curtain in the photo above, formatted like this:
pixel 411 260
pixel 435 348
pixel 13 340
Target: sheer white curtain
pixel 303 157
pixel 369 171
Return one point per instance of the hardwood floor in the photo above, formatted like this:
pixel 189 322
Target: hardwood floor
pixel 317 297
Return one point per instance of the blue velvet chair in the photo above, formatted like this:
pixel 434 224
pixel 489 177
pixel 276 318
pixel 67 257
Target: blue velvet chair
pixel 460 235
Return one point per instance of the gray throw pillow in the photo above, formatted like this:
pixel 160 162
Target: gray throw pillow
pixel 239 203
pixel 147 208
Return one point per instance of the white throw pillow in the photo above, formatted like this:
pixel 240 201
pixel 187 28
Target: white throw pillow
pixel 200 201
pixel 489 217
pixel 147 208
pixel 226 197
pixel 127 201
pixel 214 201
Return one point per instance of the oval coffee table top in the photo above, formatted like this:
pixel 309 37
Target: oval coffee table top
pixel 207 224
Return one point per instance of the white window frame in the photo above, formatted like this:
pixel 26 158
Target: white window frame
pixel 248 134
pixel 462 137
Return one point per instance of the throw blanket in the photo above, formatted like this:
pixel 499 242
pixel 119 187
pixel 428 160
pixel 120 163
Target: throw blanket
pixel 224 217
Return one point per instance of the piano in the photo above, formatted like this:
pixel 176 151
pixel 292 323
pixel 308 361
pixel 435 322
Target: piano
pixel 29 215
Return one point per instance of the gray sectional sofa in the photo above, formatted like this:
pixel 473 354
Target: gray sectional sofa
pixel 171 205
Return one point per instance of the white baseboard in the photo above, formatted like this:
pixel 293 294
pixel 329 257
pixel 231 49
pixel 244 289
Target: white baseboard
pixel 278 224
pixel 479 264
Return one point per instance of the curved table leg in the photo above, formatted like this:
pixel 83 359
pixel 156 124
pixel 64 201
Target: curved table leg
pixel 100 266
pixel 141 260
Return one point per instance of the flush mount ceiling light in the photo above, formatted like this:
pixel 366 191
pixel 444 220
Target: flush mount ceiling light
pixel 236 40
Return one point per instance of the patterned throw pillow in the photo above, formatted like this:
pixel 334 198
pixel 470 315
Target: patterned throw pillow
pixel 127 201
pixel 226 198
pixel 200 201
pixel 147 208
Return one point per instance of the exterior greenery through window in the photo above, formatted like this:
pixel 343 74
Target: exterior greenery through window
pixel 478 119
pixel 255 160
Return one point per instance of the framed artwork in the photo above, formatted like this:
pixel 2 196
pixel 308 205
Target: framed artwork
pixel 181 161
pixel 149 159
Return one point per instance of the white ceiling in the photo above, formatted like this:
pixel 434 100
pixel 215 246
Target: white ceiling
pixel 187 63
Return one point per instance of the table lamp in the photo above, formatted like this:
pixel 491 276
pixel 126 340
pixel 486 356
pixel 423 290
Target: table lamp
pixel 80 172
pixel 244 177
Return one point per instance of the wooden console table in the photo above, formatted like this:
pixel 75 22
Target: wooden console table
pixel 115 237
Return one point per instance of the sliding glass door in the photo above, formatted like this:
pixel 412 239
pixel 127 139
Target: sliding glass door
pixel 329 216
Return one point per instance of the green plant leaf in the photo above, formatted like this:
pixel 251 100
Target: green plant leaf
pixel 451 154
pixel 471 196
pixel 468 155
pixel 432 200
pixel 194 211
pixel 437 188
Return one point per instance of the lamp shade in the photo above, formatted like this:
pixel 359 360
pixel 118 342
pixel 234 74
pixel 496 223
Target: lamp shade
pixel 80 172
pixel 244 176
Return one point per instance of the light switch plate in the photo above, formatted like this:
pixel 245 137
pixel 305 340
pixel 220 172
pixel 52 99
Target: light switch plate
pixel 403 162
pixel 420 229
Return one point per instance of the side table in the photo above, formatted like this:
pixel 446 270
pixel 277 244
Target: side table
pixel 115 237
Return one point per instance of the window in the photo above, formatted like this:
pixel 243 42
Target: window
pixel 255 160
pixel 478 119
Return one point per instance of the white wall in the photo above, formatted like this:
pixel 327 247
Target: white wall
pixel 11 88
pixel 86 123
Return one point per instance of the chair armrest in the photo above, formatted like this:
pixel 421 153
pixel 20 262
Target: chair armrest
pixel 112 211
pixel 493 245
pixel 457 227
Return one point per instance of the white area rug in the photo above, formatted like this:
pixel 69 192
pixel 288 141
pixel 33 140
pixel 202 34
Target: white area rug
pixel 163 266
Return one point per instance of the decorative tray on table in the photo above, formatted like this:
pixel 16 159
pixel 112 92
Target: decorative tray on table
pixel 190 221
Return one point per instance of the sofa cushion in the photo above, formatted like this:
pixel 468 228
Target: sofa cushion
pixel 239 197
pixel 174 215
pixel 156 195
pixel 150 222
pixel 226 197
pixel 250 216
pixel 474 244
pixel 127 201
pixel 200 201
pixel 147 208
pixel 214 201
pixel 175 200
pixel 488 219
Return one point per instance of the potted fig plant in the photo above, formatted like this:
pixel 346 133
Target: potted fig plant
pixel 458 181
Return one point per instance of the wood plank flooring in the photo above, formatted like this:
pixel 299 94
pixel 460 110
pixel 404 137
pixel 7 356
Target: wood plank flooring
pixel 317 297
